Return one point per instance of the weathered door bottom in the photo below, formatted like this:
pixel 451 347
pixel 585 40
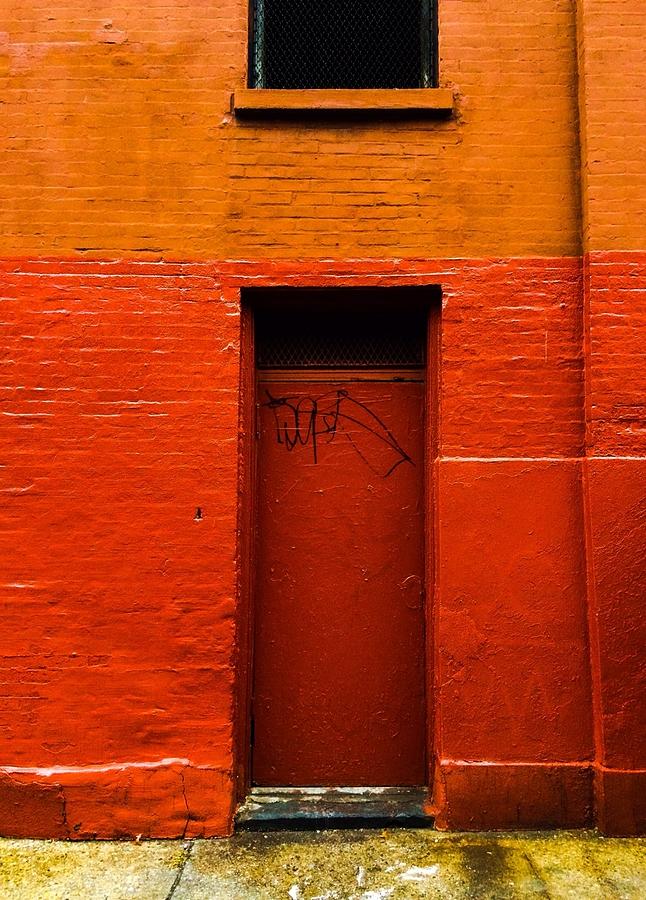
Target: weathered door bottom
pixel 322 805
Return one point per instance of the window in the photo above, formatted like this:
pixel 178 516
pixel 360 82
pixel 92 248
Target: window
pixel 341 328
pixel 343 44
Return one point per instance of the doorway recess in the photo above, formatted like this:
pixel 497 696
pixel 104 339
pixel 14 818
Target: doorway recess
pixel 338 687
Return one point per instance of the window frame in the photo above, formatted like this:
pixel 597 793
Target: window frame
pixel 428 46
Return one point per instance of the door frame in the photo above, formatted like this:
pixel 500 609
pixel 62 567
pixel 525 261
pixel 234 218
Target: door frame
pixel 430 297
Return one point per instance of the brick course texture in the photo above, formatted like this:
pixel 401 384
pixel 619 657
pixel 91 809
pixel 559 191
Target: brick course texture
pixel 135 210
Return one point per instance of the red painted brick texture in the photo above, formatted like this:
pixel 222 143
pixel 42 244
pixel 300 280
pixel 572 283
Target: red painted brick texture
pixel 513 682
pixel 615 299
pixel 618 532
pixel 514 723
pixel 485 797
pixel 121 419
pixel 511 360
pixel 120 393
pixel 615 303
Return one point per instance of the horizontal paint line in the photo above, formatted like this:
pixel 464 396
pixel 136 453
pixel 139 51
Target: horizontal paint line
pixel 224 275
pixel 280 262
pixel 566 764
pixel 395 267
pixel 110 275
pixel 577 764
pixel 495 459
pixel 95 769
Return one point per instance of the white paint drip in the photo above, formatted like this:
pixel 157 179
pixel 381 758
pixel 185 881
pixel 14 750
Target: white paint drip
pixel 361 876
pixel 295 892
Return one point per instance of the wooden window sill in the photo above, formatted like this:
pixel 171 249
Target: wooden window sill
pixel 257 101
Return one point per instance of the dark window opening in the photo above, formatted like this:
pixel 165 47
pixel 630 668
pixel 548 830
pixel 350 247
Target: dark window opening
pixel 306 44
pixel 353 328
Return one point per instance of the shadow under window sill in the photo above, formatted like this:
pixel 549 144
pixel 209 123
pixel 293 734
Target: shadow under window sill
pixel 256 102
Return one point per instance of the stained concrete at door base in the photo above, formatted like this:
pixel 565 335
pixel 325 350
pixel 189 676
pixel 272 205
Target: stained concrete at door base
pixel 329 865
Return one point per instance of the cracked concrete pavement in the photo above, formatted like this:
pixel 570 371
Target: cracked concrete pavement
pixel 371 864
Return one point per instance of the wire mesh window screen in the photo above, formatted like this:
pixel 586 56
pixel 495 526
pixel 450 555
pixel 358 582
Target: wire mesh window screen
pixel 324 341
pixel 342 44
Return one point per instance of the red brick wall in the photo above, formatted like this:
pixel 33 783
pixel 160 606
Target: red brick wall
pixel 615 291
pixel 118 607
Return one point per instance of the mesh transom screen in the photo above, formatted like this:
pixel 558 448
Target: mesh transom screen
pixel 338 341
pixel 341 44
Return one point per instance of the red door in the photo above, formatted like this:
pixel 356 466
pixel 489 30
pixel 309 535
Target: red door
pixel 338 692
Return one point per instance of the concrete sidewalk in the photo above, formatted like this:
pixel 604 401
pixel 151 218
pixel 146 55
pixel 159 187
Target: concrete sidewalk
pixel 329 865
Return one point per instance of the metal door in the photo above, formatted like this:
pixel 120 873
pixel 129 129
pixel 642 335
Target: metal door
pixel 338 686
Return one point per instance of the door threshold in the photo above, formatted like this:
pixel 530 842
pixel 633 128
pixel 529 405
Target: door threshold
pixel 336 807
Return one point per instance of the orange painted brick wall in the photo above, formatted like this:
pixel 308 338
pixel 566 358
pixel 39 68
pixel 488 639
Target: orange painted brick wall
pixel 612 68
pixel 134 208
pixel 119 140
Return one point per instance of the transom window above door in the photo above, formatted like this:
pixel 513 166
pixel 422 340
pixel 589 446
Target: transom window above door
pixel 328 44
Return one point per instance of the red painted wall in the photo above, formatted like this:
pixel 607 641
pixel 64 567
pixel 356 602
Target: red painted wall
pixel 121 607
pixel 615 493
pixel 118 607
pixel 130 229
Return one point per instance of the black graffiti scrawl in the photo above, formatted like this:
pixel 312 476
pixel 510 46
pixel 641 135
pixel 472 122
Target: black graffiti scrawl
pixel 307 421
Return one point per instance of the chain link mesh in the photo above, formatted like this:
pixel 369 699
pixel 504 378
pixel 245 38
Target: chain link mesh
pixel 341 44
pixel 314 342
